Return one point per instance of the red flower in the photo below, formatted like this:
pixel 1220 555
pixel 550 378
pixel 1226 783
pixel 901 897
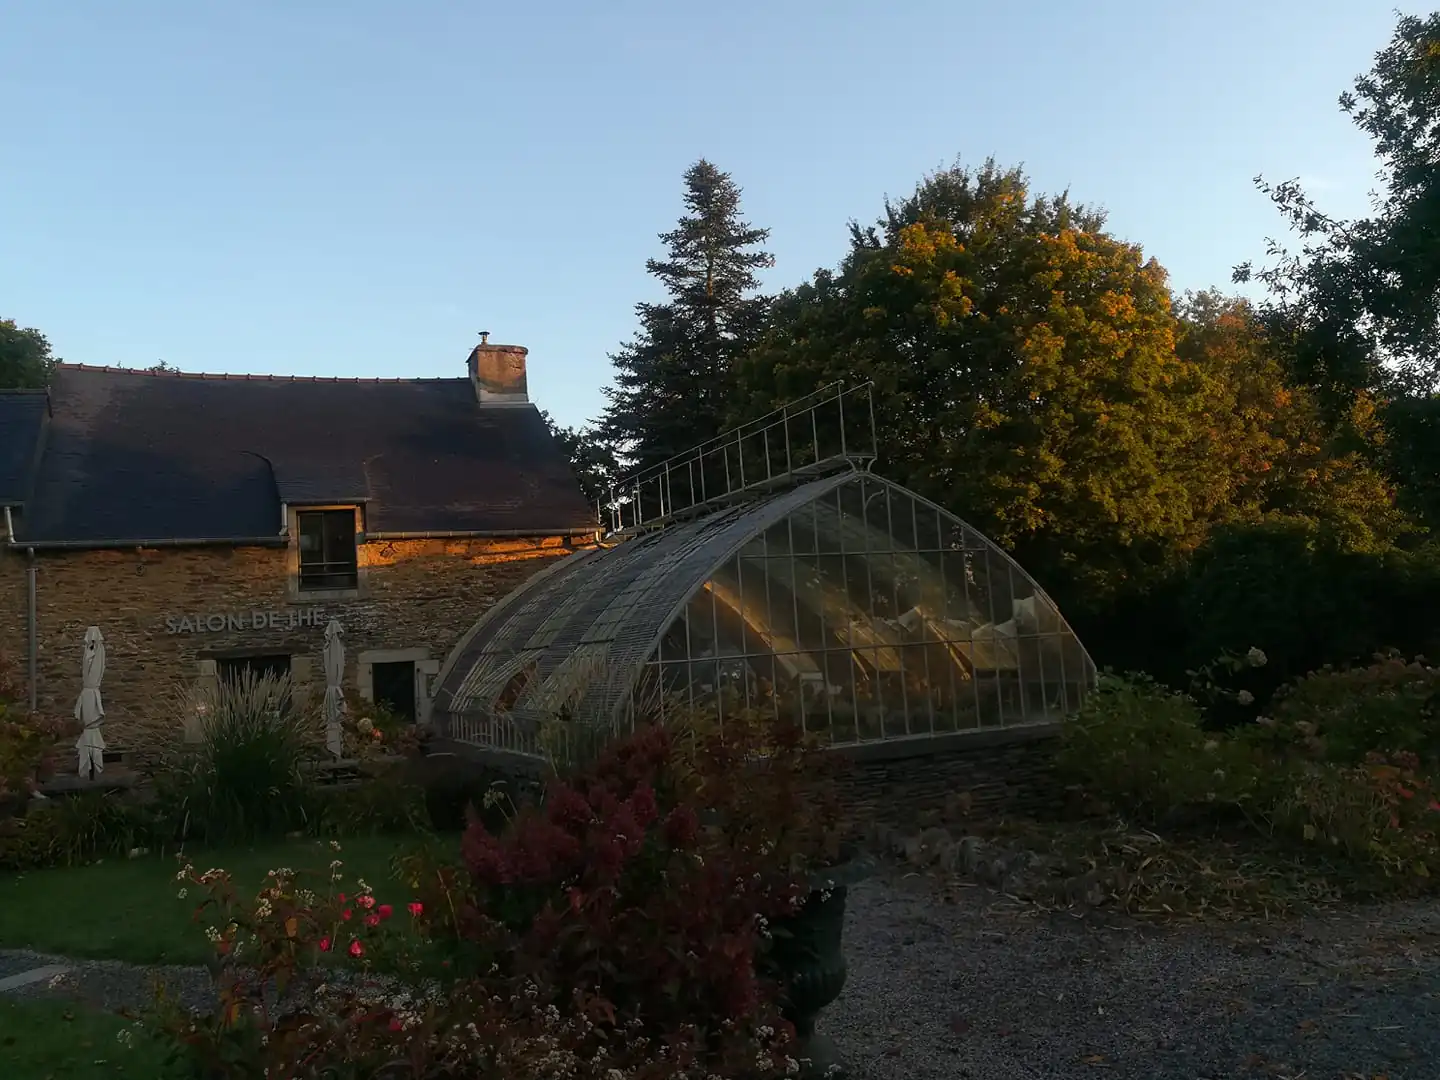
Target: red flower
pixel 346 914
pixel 385 911
pixel 372 920
pixel 367 902
pixel 324 944
pixel 342 897
pixel 416 908
pixel 356 949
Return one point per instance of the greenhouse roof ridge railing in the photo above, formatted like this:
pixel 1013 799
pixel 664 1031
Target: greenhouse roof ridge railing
pixel 827 431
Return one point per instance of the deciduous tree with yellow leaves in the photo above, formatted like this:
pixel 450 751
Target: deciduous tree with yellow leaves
pixel 1033 375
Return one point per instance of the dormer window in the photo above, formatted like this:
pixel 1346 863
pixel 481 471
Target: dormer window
pixel 328 555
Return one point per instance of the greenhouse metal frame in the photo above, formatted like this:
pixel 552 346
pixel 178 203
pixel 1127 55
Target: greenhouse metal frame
pixel 841 601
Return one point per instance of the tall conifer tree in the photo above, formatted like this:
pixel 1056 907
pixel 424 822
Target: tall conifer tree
pixel 672 381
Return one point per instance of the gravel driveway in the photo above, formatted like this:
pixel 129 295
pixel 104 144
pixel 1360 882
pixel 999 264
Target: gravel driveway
pixel 981 989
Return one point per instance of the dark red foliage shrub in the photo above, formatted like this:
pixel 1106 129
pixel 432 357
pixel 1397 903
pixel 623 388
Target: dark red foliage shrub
pixel 647 881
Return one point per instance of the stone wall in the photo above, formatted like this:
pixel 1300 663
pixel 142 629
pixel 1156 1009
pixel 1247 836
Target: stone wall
pixel 418 598
pixel 12 620
pixel 977 774
pixel 908 786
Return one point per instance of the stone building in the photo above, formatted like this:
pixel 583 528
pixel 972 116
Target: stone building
pixel 210 523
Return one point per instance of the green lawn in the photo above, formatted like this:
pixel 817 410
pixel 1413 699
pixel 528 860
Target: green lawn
pixel 48 1040
pixel 128 909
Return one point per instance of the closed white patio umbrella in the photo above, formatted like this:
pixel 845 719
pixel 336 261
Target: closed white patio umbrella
pixel 88 708
pixel 334 676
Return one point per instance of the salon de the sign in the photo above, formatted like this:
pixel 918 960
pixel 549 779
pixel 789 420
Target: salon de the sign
pixel 220 622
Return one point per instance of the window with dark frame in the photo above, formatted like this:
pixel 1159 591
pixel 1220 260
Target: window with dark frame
pixel 232 672
pixel 328 558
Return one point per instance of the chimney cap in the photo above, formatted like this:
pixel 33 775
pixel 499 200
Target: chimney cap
pixel 484 337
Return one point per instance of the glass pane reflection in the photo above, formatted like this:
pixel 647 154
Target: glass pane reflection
pixel 864 614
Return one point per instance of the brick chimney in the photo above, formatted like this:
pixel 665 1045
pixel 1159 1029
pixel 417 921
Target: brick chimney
pixel 498 373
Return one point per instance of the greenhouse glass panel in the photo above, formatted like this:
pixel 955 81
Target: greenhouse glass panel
pixel 846 604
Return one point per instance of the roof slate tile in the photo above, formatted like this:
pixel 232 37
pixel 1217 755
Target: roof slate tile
pixel 22 417
pixel 135 455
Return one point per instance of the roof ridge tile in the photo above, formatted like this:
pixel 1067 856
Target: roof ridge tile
pixel 236 376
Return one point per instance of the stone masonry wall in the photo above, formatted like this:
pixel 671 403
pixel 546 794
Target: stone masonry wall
pixel 12 620
pixel 981 775
pixel 419 596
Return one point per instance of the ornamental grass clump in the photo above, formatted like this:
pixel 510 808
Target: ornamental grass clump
pixel 229 761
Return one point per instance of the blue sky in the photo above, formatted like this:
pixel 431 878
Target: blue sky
pixel 357 188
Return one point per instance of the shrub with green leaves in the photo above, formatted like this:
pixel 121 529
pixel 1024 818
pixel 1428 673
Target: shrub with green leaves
pixel 1386 707
pixel 379 804
pixel 1142 748
pixel 77 829
pixel 1334 773
pixel 1308 597
pixel 1382 813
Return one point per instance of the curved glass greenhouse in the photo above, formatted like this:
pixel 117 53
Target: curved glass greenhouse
pixel 848 603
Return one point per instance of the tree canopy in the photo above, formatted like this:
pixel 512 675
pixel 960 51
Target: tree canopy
pixel 25 357
pixel 1361 298
pixel 1025 368
pixel 593 462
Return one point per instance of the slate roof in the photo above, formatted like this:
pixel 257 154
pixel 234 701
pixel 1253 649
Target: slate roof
pixel 22 418
pixel 134 455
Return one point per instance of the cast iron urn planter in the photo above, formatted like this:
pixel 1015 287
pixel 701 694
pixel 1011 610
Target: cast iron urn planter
pixel 807 955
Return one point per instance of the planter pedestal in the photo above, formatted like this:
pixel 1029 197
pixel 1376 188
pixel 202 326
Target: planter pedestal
pixel 809 958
